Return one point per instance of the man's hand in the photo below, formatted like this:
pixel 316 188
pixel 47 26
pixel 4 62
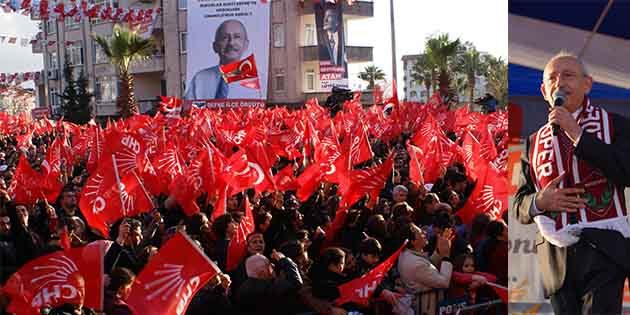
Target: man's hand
pixel 338 311
pixel 444 243
pixel 560 116
pixel 123 232
pixel 276 255
pixel 390 297
pixel 552 198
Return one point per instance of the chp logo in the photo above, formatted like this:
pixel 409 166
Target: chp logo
pixel 488 203
pixel 127 156
pixel 170 283
pixel 58 280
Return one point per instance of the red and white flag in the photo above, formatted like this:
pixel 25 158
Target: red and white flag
pixel 239 70
pixel 106 198
pixel 361 289
pixel 71 276
pixel 169 281
pixel 238 244
pixel 490 196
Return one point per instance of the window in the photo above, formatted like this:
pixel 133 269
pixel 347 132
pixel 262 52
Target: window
pixel 309 35
pixel 106 89
pixel 279 80
pixel 183 4
pixel 414 94
pixel 75 52
pixel 53 98
pixel 99 55
pixel 71 23
pixel 182 42
pixel 310 80
pixel 52 61
pixel 51 26
pixel 278 35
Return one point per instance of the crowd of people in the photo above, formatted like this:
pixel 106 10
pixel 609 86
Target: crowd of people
pixel 292 264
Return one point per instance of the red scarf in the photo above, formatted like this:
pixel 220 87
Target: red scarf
pixel 553 155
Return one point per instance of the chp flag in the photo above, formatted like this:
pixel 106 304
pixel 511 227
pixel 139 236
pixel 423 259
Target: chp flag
pixel 71 276
pixel 168 283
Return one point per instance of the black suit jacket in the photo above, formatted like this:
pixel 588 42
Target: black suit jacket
pixel 325 49
pixel 613 159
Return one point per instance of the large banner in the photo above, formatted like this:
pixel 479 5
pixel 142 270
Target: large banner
pixel 333 62
pixel 222 33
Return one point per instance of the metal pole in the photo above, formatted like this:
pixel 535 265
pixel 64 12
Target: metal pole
pixel 391 18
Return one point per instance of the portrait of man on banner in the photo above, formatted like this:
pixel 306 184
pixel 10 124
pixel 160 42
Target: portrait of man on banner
pixel 331 44
pixel 230 43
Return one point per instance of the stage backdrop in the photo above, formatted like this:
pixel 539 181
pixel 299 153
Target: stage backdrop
pixel 333 62
pixel 203 78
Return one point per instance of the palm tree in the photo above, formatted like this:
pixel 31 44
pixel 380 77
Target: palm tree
pixel 122 48
pixel 497 78
pixel 442 51
pixel 371 74
pixel 423 73
pixel 471 65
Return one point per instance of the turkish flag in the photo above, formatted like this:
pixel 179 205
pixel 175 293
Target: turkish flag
pixel 239 70
pixel 241 173
pixel 490 196
pixel 71 276
pixel 168 282
pixel 170 105
pixel 105 199
pixel 361 289
pixel 238 244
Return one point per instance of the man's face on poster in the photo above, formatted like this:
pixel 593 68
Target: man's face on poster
pixel 330 20
pixel 230 42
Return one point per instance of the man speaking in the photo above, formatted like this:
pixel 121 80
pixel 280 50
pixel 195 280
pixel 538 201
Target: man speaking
pixel 230 43
pixel 574 171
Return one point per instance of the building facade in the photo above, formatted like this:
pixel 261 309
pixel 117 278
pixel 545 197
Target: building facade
pixel 417 92
pixel 293 69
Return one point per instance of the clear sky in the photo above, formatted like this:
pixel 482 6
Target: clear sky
pixel 482 22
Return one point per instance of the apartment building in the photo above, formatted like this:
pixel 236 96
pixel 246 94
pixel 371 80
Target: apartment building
pixel 294 69
pixel 416 92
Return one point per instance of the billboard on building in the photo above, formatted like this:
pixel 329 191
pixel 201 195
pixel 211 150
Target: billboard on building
pixel 222 33
pixel 333 62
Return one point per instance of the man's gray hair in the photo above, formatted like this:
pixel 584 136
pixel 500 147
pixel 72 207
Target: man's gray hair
pixel 254 264
pixel 222 25
pixel 568 54
pixel 400 188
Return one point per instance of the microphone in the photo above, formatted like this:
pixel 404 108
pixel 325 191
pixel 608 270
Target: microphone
pixel 559 97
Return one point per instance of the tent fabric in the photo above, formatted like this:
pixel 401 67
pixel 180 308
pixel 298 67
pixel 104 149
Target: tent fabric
pixel 580 14
pixel 525 81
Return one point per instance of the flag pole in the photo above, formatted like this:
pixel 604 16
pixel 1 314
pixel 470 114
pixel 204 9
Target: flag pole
pixel 393 29
pixel 118 185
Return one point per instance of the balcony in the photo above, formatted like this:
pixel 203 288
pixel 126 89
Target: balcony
pixel 358 9
pixel 155 64
pixel 354 53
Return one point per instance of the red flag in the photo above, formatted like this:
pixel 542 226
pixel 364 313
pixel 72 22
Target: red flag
pixel 170 105
pixel 105 198
pixel 360 149
pixel 370 182
pixel 168 282
pixel 238 244
pixel 239 70
pixel 71 276
pixel 500 290
pixel 285 180
pixel 59 9
pixel 64 239
pixel 490 196
pixel 241 173
pixel 361 289
pixel 25 187
pixel 128 148
pixel 416 167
